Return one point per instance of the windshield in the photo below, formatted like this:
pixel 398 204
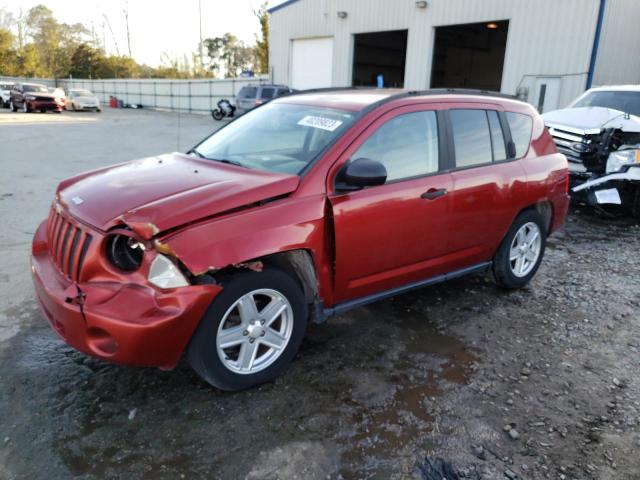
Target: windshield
pixel 81 93
pixel 627 102
pixel 277 137
pixel 35 88
pixel 6 86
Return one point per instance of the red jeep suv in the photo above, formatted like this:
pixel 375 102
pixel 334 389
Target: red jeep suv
pixel 305 207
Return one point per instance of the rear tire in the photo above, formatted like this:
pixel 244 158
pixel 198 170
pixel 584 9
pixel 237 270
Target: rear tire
pixel 248 297
pixel 635 206
pixel 217 115
pixel 520 254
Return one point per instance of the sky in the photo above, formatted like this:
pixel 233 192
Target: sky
pixel 156 26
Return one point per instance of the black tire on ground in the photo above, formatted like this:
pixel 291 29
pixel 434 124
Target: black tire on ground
pixel 202 353
pixel 217 115
pixel 13 107
pixel 502 269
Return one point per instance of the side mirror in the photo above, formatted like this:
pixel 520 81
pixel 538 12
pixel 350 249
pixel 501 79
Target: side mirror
pixel 362 172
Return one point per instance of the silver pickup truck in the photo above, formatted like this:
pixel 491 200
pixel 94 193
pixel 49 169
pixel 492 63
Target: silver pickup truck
pixel 599 133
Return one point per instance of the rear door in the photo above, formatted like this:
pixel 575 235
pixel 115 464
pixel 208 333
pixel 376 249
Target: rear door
pixel 484 182
pixel 396 233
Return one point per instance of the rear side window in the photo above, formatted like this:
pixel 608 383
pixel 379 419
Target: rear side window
pixel 521 127
pixel 407 145
pixel 248 92
pixel 471 137
pixel 267 93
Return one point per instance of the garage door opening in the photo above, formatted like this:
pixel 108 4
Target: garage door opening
pixel 379 53
pixel 469 56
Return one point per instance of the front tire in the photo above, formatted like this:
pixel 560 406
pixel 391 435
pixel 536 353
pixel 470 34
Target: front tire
pixel 251 331
pixel 12 106
pixel 521 251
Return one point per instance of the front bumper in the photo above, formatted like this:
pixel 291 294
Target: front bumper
pixel 605 189
pixel 43 105
pixel 123 323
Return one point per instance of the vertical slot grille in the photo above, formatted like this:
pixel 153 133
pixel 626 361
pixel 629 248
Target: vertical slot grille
pixel 68 245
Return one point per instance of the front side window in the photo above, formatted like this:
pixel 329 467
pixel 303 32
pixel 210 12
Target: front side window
pixel 407 145
pixel 277 137
pixel 471 137
pixel 521 127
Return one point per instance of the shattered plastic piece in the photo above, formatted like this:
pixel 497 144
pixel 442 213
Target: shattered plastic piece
pixel 255 266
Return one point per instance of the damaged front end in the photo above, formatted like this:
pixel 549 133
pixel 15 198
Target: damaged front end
pixel 118 295
pixel 604 166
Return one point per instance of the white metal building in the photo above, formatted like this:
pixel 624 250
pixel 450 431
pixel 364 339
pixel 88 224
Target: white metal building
pixel 546 51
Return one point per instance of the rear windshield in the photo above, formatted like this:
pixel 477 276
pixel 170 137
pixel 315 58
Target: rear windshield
pixel 627 102
pixel 248 92
pixel 276 137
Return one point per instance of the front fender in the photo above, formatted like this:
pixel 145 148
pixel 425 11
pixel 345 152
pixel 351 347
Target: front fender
pixel 287 224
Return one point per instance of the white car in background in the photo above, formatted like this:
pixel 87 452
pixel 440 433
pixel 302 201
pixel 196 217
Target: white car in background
pixel 81 99
pixel 5 93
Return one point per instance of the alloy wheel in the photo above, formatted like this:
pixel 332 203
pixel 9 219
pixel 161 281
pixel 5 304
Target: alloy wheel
pixel 254 331
pixel 525 249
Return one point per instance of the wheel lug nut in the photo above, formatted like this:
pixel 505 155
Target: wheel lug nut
pixel 251 340
pixel 262 334
pixel 245 333
pixel 261 322
pixel 252 322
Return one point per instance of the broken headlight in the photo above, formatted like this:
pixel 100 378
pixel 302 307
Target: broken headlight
pixel 124 252
pixel 165 274
pixel 621 158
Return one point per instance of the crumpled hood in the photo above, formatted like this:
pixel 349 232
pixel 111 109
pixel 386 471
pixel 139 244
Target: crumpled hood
pixel 158 193
pixel 592 118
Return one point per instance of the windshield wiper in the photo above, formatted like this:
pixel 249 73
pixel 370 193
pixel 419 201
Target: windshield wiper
pixel 221 160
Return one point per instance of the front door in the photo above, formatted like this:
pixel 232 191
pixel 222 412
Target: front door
pixel 396 233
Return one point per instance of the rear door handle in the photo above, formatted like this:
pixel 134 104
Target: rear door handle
pixel 434 193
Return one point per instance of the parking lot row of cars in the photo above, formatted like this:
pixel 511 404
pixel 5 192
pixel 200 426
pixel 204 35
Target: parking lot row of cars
pixel 36 97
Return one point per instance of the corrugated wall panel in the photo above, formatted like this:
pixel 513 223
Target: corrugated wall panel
pixel 546 37
pixel 618 60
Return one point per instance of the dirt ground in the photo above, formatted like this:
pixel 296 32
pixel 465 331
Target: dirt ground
pixel 540 383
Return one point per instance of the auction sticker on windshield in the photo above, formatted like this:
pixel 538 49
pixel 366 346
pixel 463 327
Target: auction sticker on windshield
pixel 323 123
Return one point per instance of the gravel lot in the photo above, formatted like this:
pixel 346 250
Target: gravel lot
pixel 535 384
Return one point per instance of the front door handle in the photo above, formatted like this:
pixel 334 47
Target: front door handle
pixel 434 193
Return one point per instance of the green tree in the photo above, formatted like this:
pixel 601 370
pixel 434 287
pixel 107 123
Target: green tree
pixel 28 62
pixel 7 53
pixel 229 55
pixel 86 61
pixel 262 42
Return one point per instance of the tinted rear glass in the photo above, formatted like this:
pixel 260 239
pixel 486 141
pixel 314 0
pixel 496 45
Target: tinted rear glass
pixel 267 93
pixel 471 137
pixel 248 92
pixel 520 126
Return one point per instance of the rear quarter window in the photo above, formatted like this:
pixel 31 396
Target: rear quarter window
pixel 521 127
pixel 267 93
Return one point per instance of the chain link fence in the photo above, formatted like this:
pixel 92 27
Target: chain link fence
pixel 192 96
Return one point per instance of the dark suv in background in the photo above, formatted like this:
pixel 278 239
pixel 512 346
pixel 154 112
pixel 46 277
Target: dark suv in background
pixel 31 97
pixel 251 96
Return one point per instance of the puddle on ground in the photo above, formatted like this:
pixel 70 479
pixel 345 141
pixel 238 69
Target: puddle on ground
pixel 382 433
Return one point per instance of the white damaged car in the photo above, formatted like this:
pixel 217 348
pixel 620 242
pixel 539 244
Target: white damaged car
pixel 81 99
pixel 599 133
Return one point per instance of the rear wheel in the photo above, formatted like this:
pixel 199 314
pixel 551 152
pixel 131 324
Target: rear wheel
pixel 521 251
pixel 217 115
pixel 251 331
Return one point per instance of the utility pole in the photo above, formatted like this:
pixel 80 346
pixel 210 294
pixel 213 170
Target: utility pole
pixel 126 19
pixel 115 42
pixel 200 44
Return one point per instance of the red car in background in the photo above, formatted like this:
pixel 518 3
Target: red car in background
pixel 305 207
pixel 31 97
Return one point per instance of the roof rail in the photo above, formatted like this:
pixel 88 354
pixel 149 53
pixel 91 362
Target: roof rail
pixel 462 91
